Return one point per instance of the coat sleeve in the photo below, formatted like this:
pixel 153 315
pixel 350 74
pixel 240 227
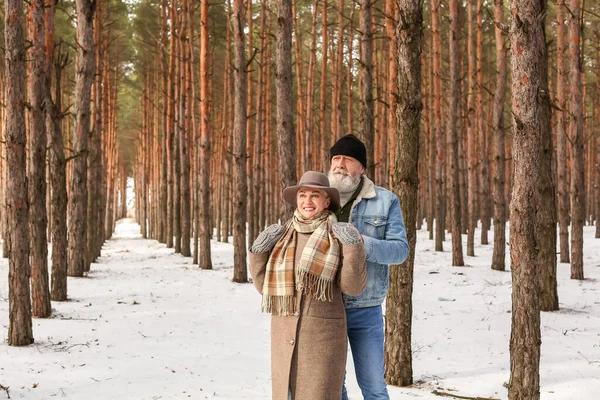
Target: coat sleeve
pixel 394 248
pixel 258 266
pixel 353 274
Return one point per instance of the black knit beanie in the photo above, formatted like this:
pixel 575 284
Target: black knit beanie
pixel 351 146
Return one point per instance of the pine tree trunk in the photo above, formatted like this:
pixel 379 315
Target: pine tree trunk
pixel 79 191
pixel 367 103
pixel 184 106
pixel 285 121
pixel 309 138
pixel 171 127
pixel 439 129
pixel 484 194
pixel 398 354
pixel 323 133
pixel 240 271
pixel 19 302
pixel 453 135
pixel 527 38
pixel 499 254
pixel 58 165
pixel 577 141
pixel 38 217
pixel 545 228
pixel 471 133
pixel 94 151
pixel 204 261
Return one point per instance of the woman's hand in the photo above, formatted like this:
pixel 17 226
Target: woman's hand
pixel 346 233
pixel 266 240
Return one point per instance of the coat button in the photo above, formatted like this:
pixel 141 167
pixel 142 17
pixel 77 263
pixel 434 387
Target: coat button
pixel 292 342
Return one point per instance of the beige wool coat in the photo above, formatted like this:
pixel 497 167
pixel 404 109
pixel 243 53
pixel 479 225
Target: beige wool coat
pixel 308 350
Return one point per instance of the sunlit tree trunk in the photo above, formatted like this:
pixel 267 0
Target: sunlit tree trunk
pixel 204 260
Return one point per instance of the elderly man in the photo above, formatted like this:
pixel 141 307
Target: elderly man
pixel 376 213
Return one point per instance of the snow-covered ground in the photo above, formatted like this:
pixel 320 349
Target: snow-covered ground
pixel 146 324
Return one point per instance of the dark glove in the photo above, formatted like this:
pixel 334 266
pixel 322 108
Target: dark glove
pixel 266 240
pixel 346 233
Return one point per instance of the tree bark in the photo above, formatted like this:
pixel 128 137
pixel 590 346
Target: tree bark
pixel 471 134
pixel 545 227
pixel 484 178
pixel 398 355
pixel 204 261
pixel 499 253
pixel 240 271
pixel 58 165
pixel 438 126
pixel 577 141
pixel 527 59
pixel 38 216
pixel 367 103
pixel 17 205
pixel 286 142
pixel 83 84
pixel 184 155
pixel 453 135
pixel 323 133
pixel 561 133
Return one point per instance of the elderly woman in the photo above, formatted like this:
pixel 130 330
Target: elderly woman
pixel 301 270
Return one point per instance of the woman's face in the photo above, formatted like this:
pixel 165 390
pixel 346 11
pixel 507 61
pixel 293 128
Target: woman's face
pixel 311 201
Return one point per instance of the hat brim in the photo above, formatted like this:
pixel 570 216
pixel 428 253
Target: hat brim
pixel 289 195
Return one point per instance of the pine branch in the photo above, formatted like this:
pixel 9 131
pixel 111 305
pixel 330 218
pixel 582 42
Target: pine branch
pixel 446 394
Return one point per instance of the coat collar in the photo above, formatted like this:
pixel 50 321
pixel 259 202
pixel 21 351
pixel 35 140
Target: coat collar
pixel 367 192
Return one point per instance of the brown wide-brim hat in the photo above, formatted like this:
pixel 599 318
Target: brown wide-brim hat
pixel 317 180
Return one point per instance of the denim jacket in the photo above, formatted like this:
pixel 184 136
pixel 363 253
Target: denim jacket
pixel 377 215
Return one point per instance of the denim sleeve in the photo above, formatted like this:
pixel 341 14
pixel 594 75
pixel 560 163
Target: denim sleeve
pixel 393 249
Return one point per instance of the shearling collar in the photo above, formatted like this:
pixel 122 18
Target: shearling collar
pixel 367 192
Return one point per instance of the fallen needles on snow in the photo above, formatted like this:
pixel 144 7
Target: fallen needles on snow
pixel 456 396
pixel 5 388
pixel 588 360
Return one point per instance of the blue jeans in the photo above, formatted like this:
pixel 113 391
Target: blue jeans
pixel 365 333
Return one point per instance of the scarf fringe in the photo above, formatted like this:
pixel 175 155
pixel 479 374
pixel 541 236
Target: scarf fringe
pixel 279 305
pixel 316 285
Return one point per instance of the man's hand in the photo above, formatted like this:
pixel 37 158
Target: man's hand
pixel 346 233
pixel 266 240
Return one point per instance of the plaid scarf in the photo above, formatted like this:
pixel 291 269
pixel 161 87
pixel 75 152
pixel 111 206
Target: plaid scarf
pixel 315 271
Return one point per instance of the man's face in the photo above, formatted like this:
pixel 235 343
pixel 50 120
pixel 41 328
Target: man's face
pixel 345 171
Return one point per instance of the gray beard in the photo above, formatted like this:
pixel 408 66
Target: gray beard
pixel 347 185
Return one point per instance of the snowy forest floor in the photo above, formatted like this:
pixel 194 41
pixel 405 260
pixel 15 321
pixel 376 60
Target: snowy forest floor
pixel 146 324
